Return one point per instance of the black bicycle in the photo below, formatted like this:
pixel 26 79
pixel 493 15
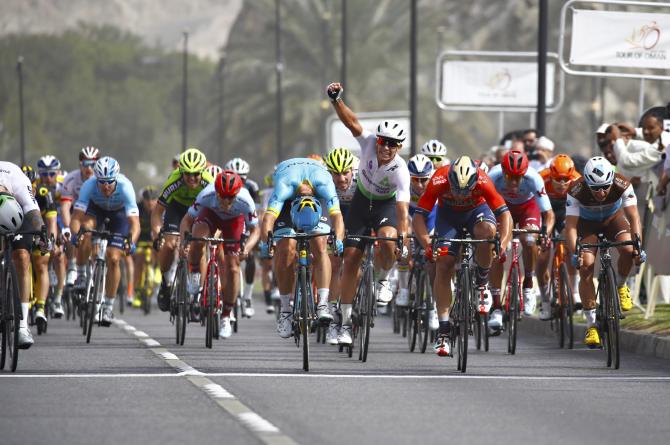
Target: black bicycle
pixel 608 312
pixel 421 303
pixel 10 303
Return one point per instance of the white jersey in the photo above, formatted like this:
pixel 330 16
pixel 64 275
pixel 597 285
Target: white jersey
pixel 18 185
pixel 71 186
pixel 383 182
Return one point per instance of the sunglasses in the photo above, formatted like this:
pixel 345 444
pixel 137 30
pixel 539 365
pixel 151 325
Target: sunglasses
pixel 193 175
pixel 598 188
pixel 87 163
pixel 106 181
pixel 561 180
pixel 388 143
pixel 49 174
pixel 421 180
pixel 435 158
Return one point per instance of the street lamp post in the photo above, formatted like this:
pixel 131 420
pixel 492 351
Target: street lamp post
pixel 412 77
pixel 542 68
pixel 279 69
pixel 22 130
pixel 438 111
pixel 221 125
pixel 343 74
pixel 184 95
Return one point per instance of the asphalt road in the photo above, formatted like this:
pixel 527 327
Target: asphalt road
pixel 132 384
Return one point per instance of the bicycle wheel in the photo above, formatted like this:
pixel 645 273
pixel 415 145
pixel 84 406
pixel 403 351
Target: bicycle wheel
pixel 513 314
pixel 367 314
pixel 304 322
pixel 180 299
pixel 11 312
pixel 95 298
pixel 427 305
pixel 413 311
pixel 210 306
pixel 463 314
pixel 612 317
pixel 566 307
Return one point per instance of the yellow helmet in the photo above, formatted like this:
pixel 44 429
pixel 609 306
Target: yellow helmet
pixel 339 160
pixel 192 161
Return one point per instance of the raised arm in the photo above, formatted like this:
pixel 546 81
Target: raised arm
pixel 345 114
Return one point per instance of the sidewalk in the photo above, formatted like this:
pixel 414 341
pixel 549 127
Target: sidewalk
pixel 630 341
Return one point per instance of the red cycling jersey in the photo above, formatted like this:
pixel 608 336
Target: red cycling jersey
pixel 439 190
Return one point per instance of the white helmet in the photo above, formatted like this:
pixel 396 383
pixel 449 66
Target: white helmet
pixel 598 172
pixel 214 170
pixel 483 166
pixel 420 166
pixel 391 130
pixel 11 214
pixel 48 162
pixel 434 148
pixel 238 165
pixel 106 168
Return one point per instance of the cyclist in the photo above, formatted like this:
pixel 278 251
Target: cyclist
pixel 71 186
pixel 557 178
pixel 107 195
pixel 270 291
pixel 294 178
pixel 523 191
pixel 436 151
pixel 177 195
pixel 19 212
pixel 381 203
pixel 213 170
pixel 224 206
pixel 343 168
pixel 241 167
pixel 48 190
pixel 467 199
pixel 148 201
pixel 601 201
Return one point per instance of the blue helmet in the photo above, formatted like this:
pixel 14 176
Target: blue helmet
pixel 106 168
pixel 305 213
pixel 420 166
pixel 48 162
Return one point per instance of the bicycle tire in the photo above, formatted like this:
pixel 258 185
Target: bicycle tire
pixel 464 318
pixel 513 314
pixel 361 313
pixel 413 312
pixel 4 333
pixel 486 333
pixel 369 308
pixel 181 300
pixel 210 305
pixel 426 306
pixel 96 290
pixel 566 306
pixel 305 297
pixel 396 317
pixel 613 320
pixel 478 331
pixel 12 318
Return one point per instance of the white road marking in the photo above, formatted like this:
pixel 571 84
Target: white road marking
pixel 141 334
pixel 257 423
pixel 168 356
pixel 129 328
pixel 217 391
pixel 150 342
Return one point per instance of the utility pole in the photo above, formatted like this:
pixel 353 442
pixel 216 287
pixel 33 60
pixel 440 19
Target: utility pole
pixel 412 77
pixel 343 74
pixel 184 95
pixel 22 129
pixel 221 128
pixel 280 69
pixel 542 69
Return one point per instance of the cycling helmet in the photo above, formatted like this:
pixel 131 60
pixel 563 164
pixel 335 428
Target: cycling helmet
pixel 420 166
pixel 238 165
pixel 515 163
pixel 227 183
pixel 192 161
pixel 483 166
pixel 149 192
pixel 48 162
pixel 562 167
pixel 89 153
pixel 434 148
pixel 106 168
pixel 11 213
pixel 339 160
pixel 598 172
pixel 29 172
pixel 214 170
pixel 315 157
pixel 463 175
pixel 391 130
pixel 305 213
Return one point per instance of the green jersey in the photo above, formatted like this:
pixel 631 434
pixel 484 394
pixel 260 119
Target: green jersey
pixel 175 190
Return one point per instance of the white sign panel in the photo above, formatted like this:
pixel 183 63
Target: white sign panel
pixel 625 39
pixel 340 136
pixel 510 84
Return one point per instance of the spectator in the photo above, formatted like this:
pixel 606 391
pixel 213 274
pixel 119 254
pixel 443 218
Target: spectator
pixel 635 158
pixel 529 138
pixel 544 151
pixel 605 144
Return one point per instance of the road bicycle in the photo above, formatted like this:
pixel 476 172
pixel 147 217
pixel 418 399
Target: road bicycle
pixel 421 303
pixel 147 280
pixel 466 298
pixel 562 304
pixel 304 310
pixel 512 298
pixel 608 311
pixel 10 304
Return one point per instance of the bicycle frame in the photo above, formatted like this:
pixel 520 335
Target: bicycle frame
pixel 508 284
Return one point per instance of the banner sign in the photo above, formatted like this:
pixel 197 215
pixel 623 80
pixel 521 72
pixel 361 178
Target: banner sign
pixel 622 39
pixel 492 83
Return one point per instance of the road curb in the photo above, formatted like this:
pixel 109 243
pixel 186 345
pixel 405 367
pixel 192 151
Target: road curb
pixel 642 343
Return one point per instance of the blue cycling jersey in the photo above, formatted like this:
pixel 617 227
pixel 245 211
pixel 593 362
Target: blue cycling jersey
pixel 122 198
pixel 243 204
pixel 291 173
pixel 531 186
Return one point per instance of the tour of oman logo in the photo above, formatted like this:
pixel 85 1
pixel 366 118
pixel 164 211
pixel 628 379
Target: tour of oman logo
pixel 645 37
pixel 500 80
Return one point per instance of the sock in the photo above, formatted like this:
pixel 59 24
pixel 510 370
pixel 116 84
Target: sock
pixel 58 296
pixel 109 301
pixel 25 309
pixel 403 276
pixel 332 305
pixel 248 290
pixel 445 327
pixel 495 293
pixel 590 317
pixel 482 275
pixel 81 271
pixel 528 280
pixel 346 313
pixel 544 293
pixel 575 284
pixel 620 281
pixel 323 296
pixel 285 302
pixel 227 308
pixel 383 274
pixel 268 300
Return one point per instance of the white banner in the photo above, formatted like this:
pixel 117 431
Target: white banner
pixel 340 136
pixel 625 39
pixel 512 84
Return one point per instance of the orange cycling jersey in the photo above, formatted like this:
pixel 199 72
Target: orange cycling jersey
pixel 549 185
pixel 439 190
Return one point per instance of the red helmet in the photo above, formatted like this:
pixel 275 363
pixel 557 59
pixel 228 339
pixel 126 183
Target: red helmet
pixel 227 183
pixel 515 163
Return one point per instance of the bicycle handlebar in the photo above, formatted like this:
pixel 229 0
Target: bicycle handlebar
pixel 603 243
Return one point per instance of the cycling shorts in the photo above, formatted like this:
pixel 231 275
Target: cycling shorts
pixel 284 224
pixel 611 227
pixel 526 214
pixel 230 228
pixel 368 214
pixel 118 223
pixel 451 223
pixel 174 212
